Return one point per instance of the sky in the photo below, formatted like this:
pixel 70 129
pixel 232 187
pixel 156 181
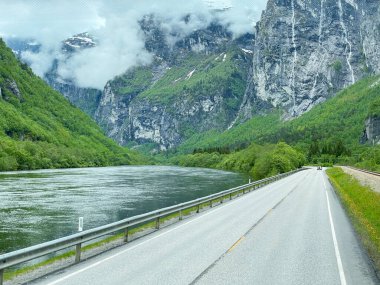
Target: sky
pixel 115 25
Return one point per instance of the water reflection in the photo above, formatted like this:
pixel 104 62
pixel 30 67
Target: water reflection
pixel 38 206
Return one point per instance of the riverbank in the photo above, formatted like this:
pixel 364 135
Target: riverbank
pixel 61 261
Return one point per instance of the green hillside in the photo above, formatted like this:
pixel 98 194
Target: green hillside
pixel 341 117
pixel 194 75
pixel 329 133
pixel 199 75
pixel 39 128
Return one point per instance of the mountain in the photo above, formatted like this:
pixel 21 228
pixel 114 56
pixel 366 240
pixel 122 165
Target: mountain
pixel 340 130
pixel 39 128
pixel 306 51
pixel 87 99
pixel 197 85
pixel 301 53
pixel 342 117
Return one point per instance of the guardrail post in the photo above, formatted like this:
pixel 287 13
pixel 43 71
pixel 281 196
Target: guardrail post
pixel 78 250
pixel 157 223
pixel 199 205
pixel 180 215
pixel 1 276
pixel 230 196
pixel 211 204
pixel 126 235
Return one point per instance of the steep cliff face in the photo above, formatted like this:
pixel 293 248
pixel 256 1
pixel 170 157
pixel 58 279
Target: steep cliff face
pixel 195 87
pixel 371 132
pixel 87 99
pixel 370 33
pixel 303 52
pixel 300 53
pixel 307 50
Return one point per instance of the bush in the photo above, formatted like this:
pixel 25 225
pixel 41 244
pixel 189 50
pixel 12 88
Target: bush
pixel 256 160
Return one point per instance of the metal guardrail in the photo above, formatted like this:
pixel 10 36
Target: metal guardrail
pixel 365 171
pixel 19 256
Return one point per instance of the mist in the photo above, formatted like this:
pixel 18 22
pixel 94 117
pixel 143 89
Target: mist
pixel 120 40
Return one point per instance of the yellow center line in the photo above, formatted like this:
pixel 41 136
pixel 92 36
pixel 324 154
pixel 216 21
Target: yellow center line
pixel 236 243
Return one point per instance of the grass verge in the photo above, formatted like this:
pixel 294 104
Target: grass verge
pixel 363 207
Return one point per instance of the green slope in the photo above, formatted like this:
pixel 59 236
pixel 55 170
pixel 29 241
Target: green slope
pixel 329 133
pixel 39 128
pixel 198 75
pixel 339 118
pixel 194 75
pixel 217 77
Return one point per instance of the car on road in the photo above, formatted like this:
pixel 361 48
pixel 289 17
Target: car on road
pixel 319 167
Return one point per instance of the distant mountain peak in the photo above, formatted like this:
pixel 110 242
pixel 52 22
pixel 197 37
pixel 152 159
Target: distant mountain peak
pixel 79 41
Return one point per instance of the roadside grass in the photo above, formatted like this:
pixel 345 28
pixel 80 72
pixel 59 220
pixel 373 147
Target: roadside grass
pixel 363 207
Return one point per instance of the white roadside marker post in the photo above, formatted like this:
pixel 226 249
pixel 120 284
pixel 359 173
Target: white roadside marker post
pixel 79 245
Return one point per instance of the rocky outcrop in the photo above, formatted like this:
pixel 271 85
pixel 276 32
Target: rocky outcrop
pixel 8 89
pixel 303 52
pixel 300 53
pixel 12 86
pixel 307 50
pixel 87 99
pixel 193 104
pixel 371 133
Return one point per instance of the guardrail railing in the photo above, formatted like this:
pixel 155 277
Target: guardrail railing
pixel 19 256
pixel 365 171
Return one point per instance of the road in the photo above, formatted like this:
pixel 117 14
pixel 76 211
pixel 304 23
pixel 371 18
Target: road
pixel 293 231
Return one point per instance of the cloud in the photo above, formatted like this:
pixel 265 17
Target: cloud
pixel 120 41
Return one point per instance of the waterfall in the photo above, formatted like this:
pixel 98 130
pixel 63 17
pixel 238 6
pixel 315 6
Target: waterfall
pixel 321 17
pixel 294 55
pixel 348 44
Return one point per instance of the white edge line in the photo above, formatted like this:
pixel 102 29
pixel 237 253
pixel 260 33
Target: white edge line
pixel 141 243
pixel 337 253
pixel 133 247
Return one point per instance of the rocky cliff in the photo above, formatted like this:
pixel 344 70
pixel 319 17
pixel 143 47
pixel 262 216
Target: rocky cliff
pixel 371 132
pixel 307 50
pixel 86 99
pixel 195 86
pixel 303 52
pixel 300 53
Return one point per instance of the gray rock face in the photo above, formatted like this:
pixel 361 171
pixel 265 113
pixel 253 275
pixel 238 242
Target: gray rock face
pixel 134 116
pixel 301 53
pixel 371 133
pixel 86 99
pixel 304 51
pixel 307 50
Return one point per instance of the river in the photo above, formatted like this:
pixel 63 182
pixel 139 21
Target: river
pixel 38 206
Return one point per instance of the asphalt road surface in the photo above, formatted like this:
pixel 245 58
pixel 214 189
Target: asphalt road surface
pixel 293 231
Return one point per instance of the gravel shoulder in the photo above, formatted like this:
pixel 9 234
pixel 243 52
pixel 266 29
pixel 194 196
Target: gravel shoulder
pixel 365 179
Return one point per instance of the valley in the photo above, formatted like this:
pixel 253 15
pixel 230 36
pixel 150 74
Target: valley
pixel 127 110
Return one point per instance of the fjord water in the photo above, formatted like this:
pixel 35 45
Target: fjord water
pixel 38 206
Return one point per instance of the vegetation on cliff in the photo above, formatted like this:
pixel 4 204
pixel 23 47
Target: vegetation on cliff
pixel 39 128
pixel 256 160
pixel 329 133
